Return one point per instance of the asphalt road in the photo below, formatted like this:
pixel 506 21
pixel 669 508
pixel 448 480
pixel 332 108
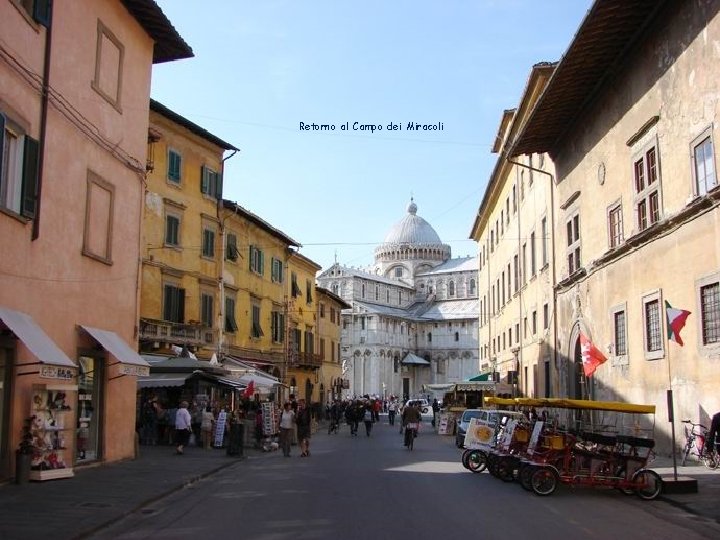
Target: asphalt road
pixel 373 488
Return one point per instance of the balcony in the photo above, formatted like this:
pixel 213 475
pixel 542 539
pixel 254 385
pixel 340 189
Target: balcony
pixel 306 360
pixel 179 334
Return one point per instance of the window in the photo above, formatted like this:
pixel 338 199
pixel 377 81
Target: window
pixel 472 287
pixel 517 333
pixel 387 296
pixel 362 290
pixel 362 323
pixel 277 326
pixel 703 164
pixel 277 274
pixel 208 243
pixel 399 297
pixel 399 272
pixel 647 188
pixel 516 268
pixel 514 199
pixel 210 182
pixel 322 349
pixel 39 10
pixel 174 169
pixel 230 322
pixel 321 307
pixel 172 230
pixel 615 225
pixel 710 313
pixel 206 309
pixel 451 288
pixel 308 291
pixel 546 317
pixel 502 222
pixel 620 333
pixel 652 325
pixel 573 244
pixel 533 258
pixel 544 241
pixel 256 331
pixel 295 288
pixel 231 249
pixel 457 336
pixel 507 211
pixel 257 260
pixel 492 241
pixel 429 337
pixel 109 55
pixel 18 170
pixel 377 292
pixel 173 303
pixel 534 322
pixel 524 263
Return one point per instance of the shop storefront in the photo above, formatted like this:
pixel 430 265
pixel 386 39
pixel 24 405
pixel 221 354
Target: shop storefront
pixel 59 408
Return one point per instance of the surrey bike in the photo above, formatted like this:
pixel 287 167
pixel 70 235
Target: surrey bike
pixel 696 444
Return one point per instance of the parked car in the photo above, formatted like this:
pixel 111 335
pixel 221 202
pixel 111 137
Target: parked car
pixel 463 422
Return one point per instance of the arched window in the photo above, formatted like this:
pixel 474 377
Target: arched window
pixel 457 336
pixel 429 337
pixel 396 364
pixel 451 288
pixel 377 292
pixel 362 291
pixel 335 288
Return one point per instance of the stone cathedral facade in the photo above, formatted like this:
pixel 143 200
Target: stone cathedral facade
pixel 414 314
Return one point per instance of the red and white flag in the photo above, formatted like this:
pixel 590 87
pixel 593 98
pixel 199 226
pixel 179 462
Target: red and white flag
pixel 250 390
pixel 591 355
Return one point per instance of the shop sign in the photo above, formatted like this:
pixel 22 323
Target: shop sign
pixel 220 428
pixel 132 369
pixel 269 419
pixel 56 372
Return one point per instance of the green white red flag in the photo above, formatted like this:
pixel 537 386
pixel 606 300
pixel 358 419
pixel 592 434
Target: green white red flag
pixel 591 355
pixel 675 321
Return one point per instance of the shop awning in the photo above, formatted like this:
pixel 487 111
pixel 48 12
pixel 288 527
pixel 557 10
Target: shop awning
pixel 260 380
pixel 235 384
pixel 34 338
pixel 115 345
pixel 414 360
pixel 440 387
pixel 474 386
pixel 158 380
pixel 482 377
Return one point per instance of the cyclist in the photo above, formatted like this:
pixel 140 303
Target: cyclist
pixel 410 415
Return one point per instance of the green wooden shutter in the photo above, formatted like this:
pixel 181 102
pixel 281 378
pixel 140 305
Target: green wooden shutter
pixel 42 12
pixel 204 180
pixel 30 183
pixel 218 186
pixel 181 305
pixel 262 263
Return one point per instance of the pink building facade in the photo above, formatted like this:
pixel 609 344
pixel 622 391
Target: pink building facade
pixel 74 106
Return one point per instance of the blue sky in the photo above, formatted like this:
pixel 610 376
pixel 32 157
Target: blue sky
pixel 262 67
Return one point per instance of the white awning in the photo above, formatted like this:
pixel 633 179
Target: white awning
pixel 115 345
pixel 260 380
pixel 413 359
pixel 34 338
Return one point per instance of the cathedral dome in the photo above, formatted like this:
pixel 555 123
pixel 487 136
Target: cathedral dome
pixel 412 229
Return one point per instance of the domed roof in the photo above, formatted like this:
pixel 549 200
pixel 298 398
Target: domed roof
pixel 412 229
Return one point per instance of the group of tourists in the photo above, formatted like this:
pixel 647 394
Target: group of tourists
pixel 295 415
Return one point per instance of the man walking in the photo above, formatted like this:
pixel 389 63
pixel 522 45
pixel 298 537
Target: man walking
pixel 304 421
pixel 183 424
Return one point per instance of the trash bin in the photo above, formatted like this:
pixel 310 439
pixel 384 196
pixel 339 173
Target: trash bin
pixel 235 440
pixel 22 467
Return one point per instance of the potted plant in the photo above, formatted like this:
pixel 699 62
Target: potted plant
pixel 24 453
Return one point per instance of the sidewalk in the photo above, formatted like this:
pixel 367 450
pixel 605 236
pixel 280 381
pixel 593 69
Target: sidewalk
pixel 76 507
pixel 96 496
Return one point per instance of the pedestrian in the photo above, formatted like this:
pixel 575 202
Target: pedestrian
pixel 392 410
pixel 376 409
pixel 436 411
pixel 207 422
pixel 287 424
pixel 368 418
pixel 183 426
pixel 304 421
pixel 351 418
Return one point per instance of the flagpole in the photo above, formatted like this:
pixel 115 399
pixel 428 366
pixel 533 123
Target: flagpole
pixel 671 413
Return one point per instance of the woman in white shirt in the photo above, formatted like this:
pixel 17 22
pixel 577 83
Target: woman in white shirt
pixel 287 423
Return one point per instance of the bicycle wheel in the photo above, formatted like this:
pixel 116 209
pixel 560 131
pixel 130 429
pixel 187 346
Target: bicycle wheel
pixel 710 461
pixel 525 475
pixel 476 461
pixel 544 481
pixel 649 484
pixel 464 458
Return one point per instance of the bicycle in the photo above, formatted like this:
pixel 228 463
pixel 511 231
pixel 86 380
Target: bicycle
pixel 411 430
pixel 695 444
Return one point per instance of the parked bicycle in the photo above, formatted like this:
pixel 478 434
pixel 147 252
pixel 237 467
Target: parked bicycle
pixel 695 444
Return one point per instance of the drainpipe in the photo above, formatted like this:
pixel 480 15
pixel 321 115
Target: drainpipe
pixel 551 232
pixel 221 278
pixel 43 122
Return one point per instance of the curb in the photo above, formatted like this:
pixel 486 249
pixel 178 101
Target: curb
pixel 184 484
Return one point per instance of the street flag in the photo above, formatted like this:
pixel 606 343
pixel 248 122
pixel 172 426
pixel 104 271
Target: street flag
pixel 591 355
pixel 250 390
pixel 675 322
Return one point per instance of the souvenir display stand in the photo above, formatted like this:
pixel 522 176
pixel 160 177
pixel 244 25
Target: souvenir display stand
pixel 52 431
